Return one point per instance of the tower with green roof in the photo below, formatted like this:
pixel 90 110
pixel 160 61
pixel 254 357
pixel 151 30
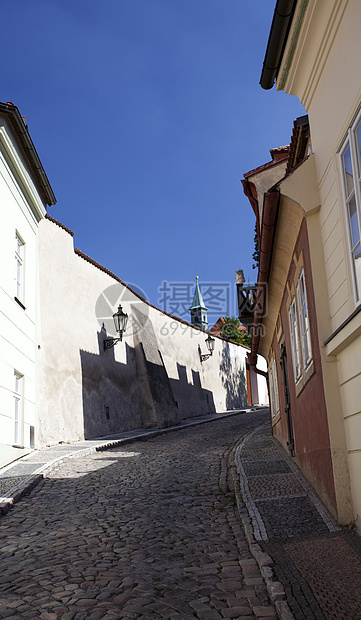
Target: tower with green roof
pixel 198 310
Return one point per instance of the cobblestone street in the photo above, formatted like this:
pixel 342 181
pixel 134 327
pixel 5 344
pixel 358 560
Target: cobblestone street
pixel 147 530
pixel 317 561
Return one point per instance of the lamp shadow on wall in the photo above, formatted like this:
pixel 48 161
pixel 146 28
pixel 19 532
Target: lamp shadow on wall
pixel 234 384
pixel 118 397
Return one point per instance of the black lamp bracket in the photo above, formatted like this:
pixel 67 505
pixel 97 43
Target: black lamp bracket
pixel 111 342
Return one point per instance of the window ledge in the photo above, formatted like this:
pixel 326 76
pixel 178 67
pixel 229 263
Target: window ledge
pixel 276 418
pixel 19 302
pixel 307 374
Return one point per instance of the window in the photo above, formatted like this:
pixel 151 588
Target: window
pixel 300 332
pixel 304 320
pixel 273 384
pixel 351 175
pixel 19 268
pixel 18 413
pixel 295 343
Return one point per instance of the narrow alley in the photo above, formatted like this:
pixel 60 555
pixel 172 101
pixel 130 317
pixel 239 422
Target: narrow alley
pixel 147 530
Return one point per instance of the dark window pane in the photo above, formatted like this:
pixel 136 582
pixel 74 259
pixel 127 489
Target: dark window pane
pixel 347 165
pixel 355 232
pixel 357 257
pixel 358 144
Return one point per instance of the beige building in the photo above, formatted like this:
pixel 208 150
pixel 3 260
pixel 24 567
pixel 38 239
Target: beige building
pixel 314 52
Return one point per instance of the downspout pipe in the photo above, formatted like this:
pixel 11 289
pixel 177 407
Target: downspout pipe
pixel 270 209
pixel 258 371
pixel 282 19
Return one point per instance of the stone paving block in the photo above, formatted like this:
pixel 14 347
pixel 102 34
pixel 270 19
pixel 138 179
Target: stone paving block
pixel 210 614
pixel 235 612
pixel 261 611
pixel 251 570
pixel 248 562
pixel 253 581
pixel 276 591
pixel 229 585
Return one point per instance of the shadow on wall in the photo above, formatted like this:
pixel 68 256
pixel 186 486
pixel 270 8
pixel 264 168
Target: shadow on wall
pixel 110 393
pixel 191 397
pixel 118 397
pixel 234 383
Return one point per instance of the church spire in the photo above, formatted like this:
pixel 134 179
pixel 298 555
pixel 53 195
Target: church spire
pixel 198 310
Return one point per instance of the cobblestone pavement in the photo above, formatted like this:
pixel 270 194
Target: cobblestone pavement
pixel 317 562
pixel 147 530
pixel 17 476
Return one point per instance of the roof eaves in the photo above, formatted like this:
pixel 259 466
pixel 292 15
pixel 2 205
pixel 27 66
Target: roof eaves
pixel 20 130
pixel 281 23
pixel 269 164
pixel 299 143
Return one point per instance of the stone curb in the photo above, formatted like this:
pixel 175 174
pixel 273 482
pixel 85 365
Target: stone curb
pixel 27 485
pixel 275 589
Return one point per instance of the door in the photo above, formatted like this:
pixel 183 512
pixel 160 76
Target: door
pixel 283 362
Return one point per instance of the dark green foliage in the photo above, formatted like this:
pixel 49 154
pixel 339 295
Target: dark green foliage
pixel 231 331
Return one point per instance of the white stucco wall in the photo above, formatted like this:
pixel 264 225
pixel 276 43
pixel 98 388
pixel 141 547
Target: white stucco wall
pixel 20 210
pixel 153 378
pixel 262 388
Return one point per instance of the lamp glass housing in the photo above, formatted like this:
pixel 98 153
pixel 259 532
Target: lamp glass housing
pixel 120 320
pixel 210 343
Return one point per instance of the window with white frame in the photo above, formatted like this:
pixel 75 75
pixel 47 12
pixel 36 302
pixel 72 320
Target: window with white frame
pixel 19 268
pixel 273 384
pixel 300 332
pixel 304 323
pixel 272 394
pixel 18 406
pixel 351 175
pixel 295 342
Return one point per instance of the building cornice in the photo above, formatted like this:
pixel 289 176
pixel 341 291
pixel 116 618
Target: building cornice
pixel 310 40
pixel 292 43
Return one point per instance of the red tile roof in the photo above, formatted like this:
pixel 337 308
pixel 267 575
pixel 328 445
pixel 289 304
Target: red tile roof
pixel 284 153
pixel 51 219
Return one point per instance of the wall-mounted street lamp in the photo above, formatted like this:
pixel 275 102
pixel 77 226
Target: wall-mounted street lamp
pixel 210 346
pixel 120 319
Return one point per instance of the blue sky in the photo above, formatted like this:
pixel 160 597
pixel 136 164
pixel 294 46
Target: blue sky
pixel 145 115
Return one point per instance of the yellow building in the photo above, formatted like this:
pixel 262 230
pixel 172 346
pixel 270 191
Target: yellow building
pixel 314 52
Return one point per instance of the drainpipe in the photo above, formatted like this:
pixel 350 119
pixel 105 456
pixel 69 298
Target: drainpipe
pixel 282 19
pixel 270 208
